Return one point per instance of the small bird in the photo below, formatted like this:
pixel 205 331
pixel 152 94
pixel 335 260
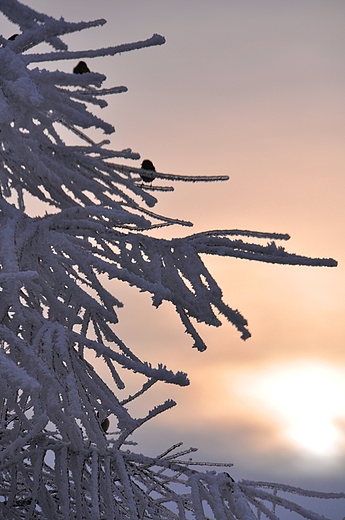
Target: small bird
pixel 105 424
pixel 13 37
pixel 147 165
pixel 81 68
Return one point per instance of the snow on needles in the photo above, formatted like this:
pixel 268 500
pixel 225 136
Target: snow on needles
pixel 57 459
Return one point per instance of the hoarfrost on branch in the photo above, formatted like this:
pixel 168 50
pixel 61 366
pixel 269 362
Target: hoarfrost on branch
pixel 56 460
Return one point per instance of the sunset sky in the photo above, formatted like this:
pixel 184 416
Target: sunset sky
pixel 254 90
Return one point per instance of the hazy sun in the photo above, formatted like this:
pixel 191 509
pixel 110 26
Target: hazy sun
pixel 306 398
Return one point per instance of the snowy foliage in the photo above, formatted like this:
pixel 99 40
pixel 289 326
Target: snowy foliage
pixel 56 460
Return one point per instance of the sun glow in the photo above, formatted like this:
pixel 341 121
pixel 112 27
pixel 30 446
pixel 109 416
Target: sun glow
pixel 307 399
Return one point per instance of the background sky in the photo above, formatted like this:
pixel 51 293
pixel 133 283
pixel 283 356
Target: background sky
pixel 253 90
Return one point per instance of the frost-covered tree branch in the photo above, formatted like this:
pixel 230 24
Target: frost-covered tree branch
pixel 56 312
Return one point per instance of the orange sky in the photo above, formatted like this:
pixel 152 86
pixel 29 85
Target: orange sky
pixel 254 90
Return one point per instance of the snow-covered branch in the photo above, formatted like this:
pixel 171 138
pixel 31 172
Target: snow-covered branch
pixel 57 313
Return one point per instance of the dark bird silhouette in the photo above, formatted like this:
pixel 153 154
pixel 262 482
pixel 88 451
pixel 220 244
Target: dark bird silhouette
pixel 147 165
pixel 81 68
pixel 105 424
pixel 13 37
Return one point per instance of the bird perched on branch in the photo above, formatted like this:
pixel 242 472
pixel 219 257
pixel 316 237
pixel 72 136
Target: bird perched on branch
pixel 81 68
pixel 147 165
pixel 105 424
